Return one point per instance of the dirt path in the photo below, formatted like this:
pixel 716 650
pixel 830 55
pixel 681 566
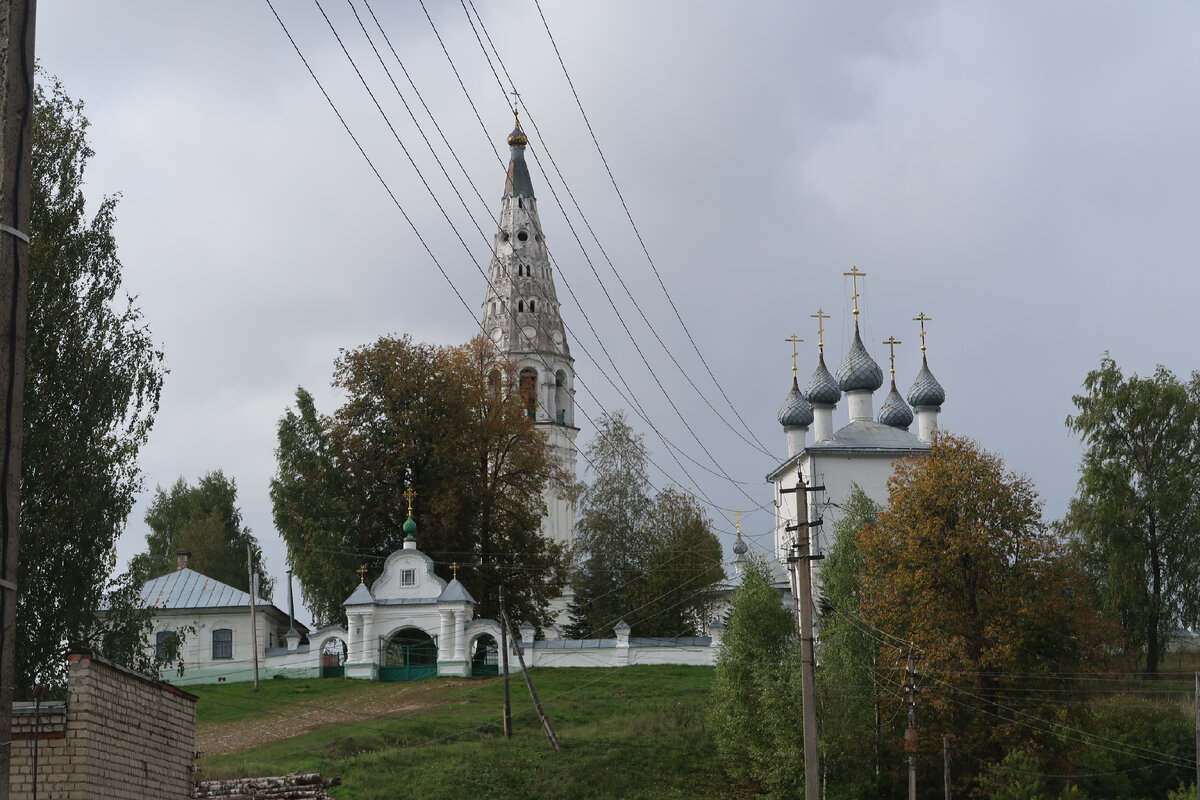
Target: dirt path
pixel 300 717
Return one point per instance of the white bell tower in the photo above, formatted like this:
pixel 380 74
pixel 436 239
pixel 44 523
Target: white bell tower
pixel 520 314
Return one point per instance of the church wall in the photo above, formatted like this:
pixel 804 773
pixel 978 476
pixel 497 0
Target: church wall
pixel 837 473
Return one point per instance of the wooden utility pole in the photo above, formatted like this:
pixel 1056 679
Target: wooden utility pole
pixel 1197 701
pixel 16 143
pixel 946 766
pixel 910 735
pixel 253 620
pixel 504 669
pixel 800 564
pixel 537 704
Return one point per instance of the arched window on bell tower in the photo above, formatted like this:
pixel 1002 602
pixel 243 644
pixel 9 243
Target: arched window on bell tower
pixel 528 389
pixel 562 400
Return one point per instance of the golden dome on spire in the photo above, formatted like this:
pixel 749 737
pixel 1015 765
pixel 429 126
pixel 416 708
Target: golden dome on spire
pixel 517 138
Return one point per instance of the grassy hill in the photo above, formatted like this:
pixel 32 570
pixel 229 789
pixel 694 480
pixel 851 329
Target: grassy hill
pixel 634 732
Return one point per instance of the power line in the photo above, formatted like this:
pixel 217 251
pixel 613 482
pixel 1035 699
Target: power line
pixel 638 232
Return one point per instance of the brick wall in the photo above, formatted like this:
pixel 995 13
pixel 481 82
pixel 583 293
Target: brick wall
pixel 120 735
pixel 51 729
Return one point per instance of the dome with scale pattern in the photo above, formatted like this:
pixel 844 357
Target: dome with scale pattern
pixel 859 371
pixel 795 412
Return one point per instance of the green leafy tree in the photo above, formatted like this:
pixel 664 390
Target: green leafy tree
pixel 203 520
pixel 647 560
pixel 92 382
pixel 960 564
pixel 756 707
pixel 1135 514
pixel 437 420
pixel 848 653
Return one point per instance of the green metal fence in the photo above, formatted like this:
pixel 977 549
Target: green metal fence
pixel 407 657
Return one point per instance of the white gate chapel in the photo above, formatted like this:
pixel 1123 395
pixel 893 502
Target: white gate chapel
pixel 410 624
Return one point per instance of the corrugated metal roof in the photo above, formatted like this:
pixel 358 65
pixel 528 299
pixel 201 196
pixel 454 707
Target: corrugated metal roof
pixel 185 588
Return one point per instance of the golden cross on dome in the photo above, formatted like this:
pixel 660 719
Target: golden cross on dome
pixel 820 317
pixel 854 275
pixel 737 515
pixel 891 342
pixel 794 340
pixel 516 105
pixel 362 573
pixel 921 318
pixel 454 569
pixel 409 495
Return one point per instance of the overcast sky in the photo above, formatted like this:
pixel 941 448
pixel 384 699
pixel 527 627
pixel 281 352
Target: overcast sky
pixel 1024 173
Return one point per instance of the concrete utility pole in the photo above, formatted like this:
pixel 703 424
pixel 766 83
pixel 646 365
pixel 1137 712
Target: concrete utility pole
pixel 253 620
pixel 1197 702
pixel 800 564
pixel 16 143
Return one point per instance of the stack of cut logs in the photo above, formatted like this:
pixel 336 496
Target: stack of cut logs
pixel 295 786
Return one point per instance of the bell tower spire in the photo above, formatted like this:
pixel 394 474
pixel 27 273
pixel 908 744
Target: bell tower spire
pixel 521 317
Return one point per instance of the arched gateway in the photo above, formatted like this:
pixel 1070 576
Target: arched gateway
pixel 409 623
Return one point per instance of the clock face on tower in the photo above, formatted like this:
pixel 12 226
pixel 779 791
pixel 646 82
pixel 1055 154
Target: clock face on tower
pixel 530 332
pixel 497 335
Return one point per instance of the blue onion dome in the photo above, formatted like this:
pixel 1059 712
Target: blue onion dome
pixel 822 389
pixel 739 547
pixel 796 412
pixel 926 392
pixel 859 371
pixel 894 411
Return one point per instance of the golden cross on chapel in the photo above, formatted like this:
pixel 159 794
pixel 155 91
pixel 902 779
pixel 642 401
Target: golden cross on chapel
pixel 362 573
pixel 454 569
pixel 820 317
pixel 921 318
pixel 891 342
pixel 737 516
pixel 854 275
pixel 794 340
pixel 409 495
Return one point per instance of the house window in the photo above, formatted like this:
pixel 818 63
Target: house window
pixel 163 641
pixel 222 643
pixel 408 577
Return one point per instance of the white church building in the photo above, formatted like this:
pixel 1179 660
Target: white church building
pixel 861 452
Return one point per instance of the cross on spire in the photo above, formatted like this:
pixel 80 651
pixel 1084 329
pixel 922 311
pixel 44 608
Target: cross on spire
pixel 737 516
pixel 516 105
pixel 454 569
pixel 921 318
pixel 362 573
pixel 854 275
pixel 410 495
pixel 794 340
pixel 891 342
pixel 820 317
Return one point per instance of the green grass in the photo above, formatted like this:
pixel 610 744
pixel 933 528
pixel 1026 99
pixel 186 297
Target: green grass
pixel 230 702
pixel 638 732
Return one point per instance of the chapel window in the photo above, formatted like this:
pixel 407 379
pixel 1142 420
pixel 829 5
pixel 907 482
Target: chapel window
pixel 408 577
